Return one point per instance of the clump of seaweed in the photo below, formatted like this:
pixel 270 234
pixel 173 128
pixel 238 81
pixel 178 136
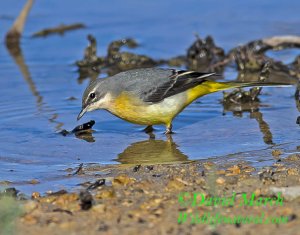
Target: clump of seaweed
pixel 115 61
pixel 203 53
pixel 238 96
pixel 90 65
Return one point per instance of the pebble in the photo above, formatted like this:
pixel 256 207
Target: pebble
pixel 276 153
pixel 105 193
pixel 292 171
pixel 30 206
pixel 289 193
pixel 35 195
pixel 123 180
pixel 100 208
pixel 220 180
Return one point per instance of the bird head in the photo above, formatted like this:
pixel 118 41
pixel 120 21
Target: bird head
pixel 94 97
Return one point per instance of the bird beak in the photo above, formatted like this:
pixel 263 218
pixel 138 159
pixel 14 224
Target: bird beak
pixel 82 112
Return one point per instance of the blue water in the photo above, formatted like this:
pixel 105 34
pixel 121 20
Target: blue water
pixel 34 108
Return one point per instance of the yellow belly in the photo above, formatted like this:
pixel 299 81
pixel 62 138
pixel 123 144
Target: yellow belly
pixel 136 111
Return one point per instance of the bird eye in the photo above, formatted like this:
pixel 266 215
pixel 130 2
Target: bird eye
pixel 92 95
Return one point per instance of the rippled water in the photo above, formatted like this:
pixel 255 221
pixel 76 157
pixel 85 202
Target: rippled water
pixel 36 87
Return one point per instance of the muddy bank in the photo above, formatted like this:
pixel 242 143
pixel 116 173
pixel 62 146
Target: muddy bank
pixel 179 198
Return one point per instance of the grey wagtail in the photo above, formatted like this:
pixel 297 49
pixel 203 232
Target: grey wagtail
pixel 152 96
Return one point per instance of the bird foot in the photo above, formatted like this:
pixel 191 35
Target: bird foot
pixel 149 129
pixel 169 130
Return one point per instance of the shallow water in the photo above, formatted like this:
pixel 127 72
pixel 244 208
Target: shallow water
pixel 36 88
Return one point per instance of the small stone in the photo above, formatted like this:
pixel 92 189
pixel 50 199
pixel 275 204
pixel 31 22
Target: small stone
pixel 293 157
pixel 289 193
pixel 248 169
pixel 200 181
pixel 234 170
pixel 35 195
pixel 293 171
pixel 151 203
pixel 5 182
pixel 29 219
pixel 100 208
pixel 221 172
pixel 86 200
pixel 66 199
pixel 34 181
pixel 276 153
pixel 257 192
pixel 220 180
pixel 68 225
pixel 105 193
pixel 232 179
pixel 123 180
pixel 208 165
pixel 71 98
pixel 175 184
pixel 30 206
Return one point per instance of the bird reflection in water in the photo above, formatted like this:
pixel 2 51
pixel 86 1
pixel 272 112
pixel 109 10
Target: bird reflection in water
pixel 152 152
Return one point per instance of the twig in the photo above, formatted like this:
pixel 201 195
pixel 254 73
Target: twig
pixel 61 29
pixel 282 41
pixel 79 170
pixel 15 32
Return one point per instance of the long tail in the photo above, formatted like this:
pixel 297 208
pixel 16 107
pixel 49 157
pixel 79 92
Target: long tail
pixel 208 87
pixel 218 86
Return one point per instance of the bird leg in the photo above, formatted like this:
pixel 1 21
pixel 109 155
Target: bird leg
pixel 169 129
pixel 149 129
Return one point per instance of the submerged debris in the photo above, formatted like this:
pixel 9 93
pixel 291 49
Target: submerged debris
pixel 264 74
pixel 115 61
pixel 239 95
pixel 84 127
pixel 90 65
pixel 81 129
pixel 97 184
pixel 57 193
pixel 79 170
pixel 203 53
pixel 298 120
pixel 118 61
pixel 61 29
pixel 250 56
pixel 90 54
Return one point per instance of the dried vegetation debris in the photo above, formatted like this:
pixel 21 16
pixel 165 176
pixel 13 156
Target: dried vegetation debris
pixel 61 29
pixel 115 61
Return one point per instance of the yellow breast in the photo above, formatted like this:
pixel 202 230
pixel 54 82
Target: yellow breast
pixel 136 111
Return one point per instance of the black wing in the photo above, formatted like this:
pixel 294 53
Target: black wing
pixel 176 83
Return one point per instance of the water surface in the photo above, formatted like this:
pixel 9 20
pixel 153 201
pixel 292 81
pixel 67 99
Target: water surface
pixel 36 88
